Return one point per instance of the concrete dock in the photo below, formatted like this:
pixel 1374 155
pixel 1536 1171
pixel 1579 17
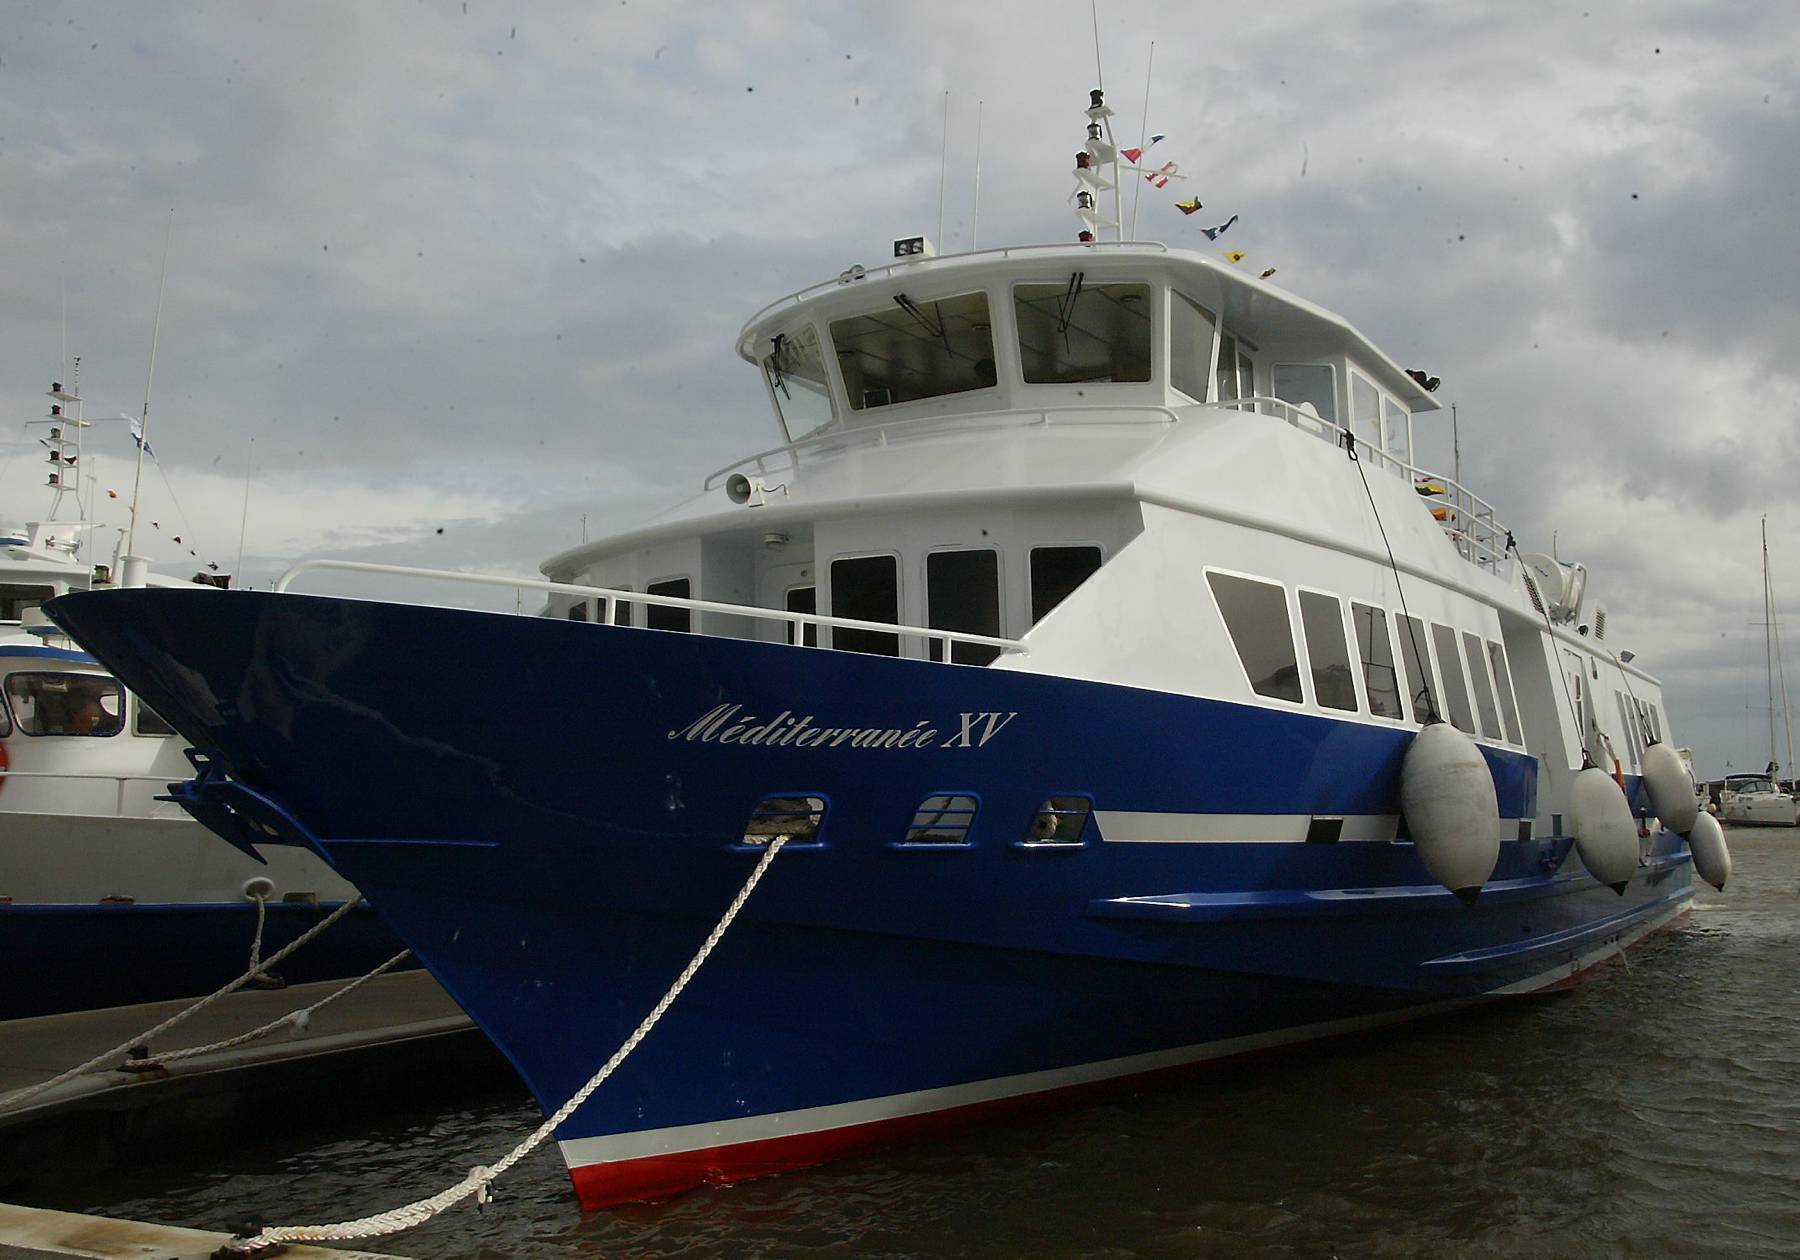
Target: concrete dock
pixel 35 1234
pixel 397 1039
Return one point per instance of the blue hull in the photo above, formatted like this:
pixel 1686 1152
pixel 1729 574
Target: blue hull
pixel 556 836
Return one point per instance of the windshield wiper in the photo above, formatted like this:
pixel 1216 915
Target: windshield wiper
pixel 1065 307
pixel 932 329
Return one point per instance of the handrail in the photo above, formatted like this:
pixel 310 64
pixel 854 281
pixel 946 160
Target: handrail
pixel 1470 521
pixel 608 596
pixel 878 433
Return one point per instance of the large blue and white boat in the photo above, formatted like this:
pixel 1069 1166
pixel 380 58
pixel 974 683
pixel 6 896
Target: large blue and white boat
pixel 1093 684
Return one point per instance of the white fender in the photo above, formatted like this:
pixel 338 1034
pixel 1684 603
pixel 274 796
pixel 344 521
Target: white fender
pixel 1712 859
pixel 1452 813
pixel 1605 832
pixel 1671 788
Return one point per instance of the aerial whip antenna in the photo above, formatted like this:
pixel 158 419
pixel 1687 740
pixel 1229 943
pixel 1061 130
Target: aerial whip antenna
pixel 975 219
pixel 1143 130
pixel 134 563
pixel 943 168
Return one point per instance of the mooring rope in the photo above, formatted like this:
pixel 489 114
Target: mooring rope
pixel 481 1176
pixel 296 1020
pixel 31 1091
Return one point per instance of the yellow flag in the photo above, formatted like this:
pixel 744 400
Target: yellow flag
pixel 1266 274
pixel 1235 256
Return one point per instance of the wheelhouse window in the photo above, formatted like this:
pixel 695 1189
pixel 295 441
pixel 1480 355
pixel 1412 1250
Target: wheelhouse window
pixel 1443 638
pixel 1074 331
pixel 661 616
pixel 1056 572
pixel 962 592
pixel 1484 691
pixel 866 588
pixel 1246 374
pixel 1421 688
pixel 1365 411
pixel 621 610
pixel 1227 372
pixel 1307 383
pixel 578 611
pixel 1380 679
pixel 66 704
pixel 795 369
pixel 1191 328
pixel 1503 680
pixel 16 597
pixel 912 350
pixel 1322 618
pixel 1256 616
pixel 1397 423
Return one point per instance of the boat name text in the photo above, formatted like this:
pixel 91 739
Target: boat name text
pixel 728 724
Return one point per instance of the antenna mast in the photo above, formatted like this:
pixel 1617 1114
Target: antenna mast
pixel 143 435
pixel 943 167
pixel 1769 643
pixel 1137 188
pixel 975 219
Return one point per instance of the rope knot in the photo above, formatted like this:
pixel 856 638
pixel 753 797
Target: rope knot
pixel 483 1177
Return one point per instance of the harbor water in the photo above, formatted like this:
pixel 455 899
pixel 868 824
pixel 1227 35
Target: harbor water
pixel 1654 1111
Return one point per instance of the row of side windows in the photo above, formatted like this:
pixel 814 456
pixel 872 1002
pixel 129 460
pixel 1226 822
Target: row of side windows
pixel 962 594
pixel 1476 695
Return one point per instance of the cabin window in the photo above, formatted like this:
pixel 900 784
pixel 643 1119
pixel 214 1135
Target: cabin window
pixel 66 704
pixel 803 599
pixel 1365 411
pixel 1056 572
pixel 1397 422
pixel 661 616
pixel 1228 368
pixel 866 588
pixel 911 350
pixel 795 369
pixel 1377 650
pixel 1456 692
pixel 1322 618
pixel 621 610
pixel 1484 690
pixel 1190 346
pixel 16 597
pixel 962 592
pixel 1246 376
pixel 1655 723
pixel 150 722
pixel 1626 727
pixel 1256 615
pixel 1503 680
pixel 1060 820
pixel 942 820
pixel 1307 383
pixel 578 611
pixel 1421 688
pixel 1074 331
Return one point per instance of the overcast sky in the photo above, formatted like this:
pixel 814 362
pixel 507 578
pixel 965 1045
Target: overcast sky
pixel 445 278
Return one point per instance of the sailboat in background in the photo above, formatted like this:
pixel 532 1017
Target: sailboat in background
pixel 1762 799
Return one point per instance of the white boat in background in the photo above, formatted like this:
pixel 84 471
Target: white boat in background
pixel 114 895
pixel 1757 800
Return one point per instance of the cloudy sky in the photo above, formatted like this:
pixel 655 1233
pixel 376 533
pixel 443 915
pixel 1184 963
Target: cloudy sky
pixel 446 278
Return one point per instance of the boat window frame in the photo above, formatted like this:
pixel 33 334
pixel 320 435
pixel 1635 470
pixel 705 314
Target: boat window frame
pixel 1030 581
pixel 1462 680
pixel 1509 705
pixel 834 385
pixel 651 610
pixel 901 641
pixel 1434 696
pixel 6 698
pixel 1394 662
pixel 1157 291
pixel 1175 294
pixel 949 292
pixel 1000 618
pixel 1330 366
pixel 138 709
pixel 1301 675
pixel 1345 633
pixel 1481 685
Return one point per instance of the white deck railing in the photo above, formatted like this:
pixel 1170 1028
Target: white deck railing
pixel 609 597
pixel 1468 518
pixel 122 780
